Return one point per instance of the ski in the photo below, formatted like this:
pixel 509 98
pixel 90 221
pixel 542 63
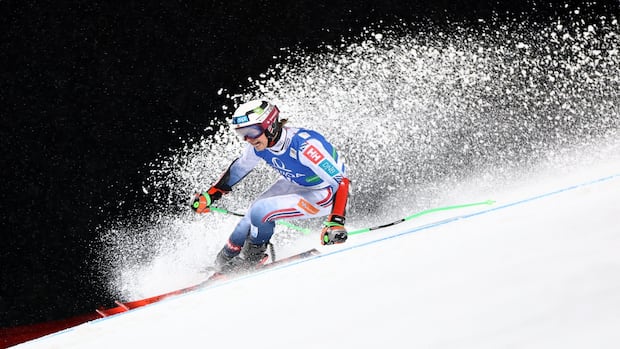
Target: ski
pixel 233 274
pixel 125 306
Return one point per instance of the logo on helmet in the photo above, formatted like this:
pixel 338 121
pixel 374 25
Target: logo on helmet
pixel 240 119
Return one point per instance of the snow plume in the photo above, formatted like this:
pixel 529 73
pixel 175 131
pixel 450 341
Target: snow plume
pixel 418 112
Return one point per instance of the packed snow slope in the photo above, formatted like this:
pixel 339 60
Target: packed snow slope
pixel 537 269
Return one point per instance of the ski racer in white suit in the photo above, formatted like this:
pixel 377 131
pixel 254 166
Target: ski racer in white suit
pixel 313 184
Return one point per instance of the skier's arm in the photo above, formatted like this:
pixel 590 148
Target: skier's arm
pixel 328 166
pixel 236 171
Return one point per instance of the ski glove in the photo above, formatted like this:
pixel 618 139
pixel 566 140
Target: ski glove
pixel 333 235
pixel 201 202
pixel 334 231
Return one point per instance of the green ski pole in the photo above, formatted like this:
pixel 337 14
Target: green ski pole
pixel 422 213
pixel 365 230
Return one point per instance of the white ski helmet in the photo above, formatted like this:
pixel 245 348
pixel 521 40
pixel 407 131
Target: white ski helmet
pixel 253 118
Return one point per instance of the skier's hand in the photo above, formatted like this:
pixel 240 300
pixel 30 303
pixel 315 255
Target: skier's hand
pixel 201 202
pixel 335 234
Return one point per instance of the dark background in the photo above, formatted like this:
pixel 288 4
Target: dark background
pixel 91 92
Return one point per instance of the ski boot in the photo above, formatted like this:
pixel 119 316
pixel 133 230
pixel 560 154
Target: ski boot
pixel 254 254
pixel 251 256
pixel 222 260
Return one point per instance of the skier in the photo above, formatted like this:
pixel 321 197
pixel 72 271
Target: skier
pixel 313 184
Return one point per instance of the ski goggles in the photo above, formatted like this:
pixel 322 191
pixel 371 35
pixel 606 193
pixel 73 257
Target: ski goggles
pixel 250 132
